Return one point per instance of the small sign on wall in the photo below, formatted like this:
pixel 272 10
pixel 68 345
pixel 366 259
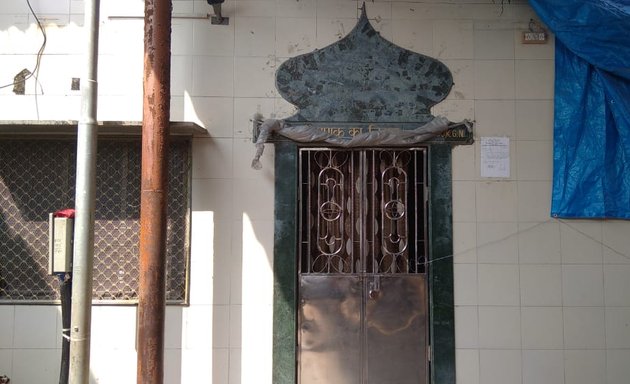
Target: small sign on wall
pixel 495 157
pixel 534 37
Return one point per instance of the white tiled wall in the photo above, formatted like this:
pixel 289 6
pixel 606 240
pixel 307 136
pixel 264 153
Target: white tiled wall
pixel 537 300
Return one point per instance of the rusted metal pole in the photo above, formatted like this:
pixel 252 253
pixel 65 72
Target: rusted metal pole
pixel 155 123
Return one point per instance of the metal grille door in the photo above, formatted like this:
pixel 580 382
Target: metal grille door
pixel 363 297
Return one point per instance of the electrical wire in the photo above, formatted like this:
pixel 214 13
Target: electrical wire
pixel 39 53
pixel 560 221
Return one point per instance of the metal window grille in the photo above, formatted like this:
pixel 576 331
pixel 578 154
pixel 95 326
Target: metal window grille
pixel 38 177
pixel 363 211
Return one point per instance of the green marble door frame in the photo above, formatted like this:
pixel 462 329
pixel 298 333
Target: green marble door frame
pixel 442 321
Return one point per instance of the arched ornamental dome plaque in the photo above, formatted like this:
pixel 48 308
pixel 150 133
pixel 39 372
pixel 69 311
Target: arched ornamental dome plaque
pixel 362 90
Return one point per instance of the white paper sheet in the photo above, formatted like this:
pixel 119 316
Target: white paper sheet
pixel 495 157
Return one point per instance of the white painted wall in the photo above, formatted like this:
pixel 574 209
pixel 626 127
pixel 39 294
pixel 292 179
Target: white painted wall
pixel 537 300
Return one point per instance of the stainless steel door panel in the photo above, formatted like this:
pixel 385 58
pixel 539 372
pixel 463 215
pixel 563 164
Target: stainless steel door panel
pixel 396 321
pixel 330 329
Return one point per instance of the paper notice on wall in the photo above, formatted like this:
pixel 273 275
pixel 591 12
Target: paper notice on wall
pixel 495 157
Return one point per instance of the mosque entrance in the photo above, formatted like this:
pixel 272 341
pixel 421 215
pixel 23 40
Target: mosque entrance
pixel 362 301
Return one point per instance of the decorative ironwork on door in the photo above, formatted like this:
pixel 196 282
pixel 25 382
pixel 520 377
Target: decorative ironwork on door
pixel 363 297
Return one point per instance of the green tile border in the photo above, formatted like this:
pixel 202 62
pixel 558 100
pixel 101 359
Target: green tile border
pixel 442 321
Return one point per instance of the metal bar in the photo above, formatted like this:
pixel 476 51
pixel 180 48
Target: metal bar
pixel 79 371
pixel 184 17
pixel 153 194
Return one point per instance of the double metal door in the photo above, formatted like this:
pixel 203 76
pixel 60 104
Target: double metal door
pixel 362 283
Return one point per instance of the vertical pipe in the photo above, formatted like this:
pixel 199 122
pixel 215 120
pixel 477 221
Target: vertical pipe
pixel 84 204
pixel 155 123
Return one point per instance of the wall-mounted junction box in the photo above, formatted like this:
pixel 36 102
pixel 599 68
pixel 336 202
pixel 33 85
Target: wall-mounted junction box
pixel 61 231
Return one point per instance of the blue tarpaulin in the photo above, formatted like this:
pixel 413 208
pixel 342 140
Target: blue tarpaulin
pixel 592 107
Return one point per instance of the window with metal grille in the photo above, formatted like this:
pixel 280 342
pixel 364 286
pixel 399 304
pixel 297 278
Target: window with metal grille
pixel 363 211
pixel 38 177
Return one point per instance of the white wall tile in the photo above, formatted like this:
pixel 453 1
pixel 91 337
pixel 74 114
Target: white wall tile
pixel 378 10
pixel 534 79
pixel 496 201
pixel 213 195
pixel 585 366
pixel 213 76
pixel 410 34
pixel 500 366
pixel 534 119
pixel 584 327
pixel 35 365
pixel 534 200
pixel 173 328
pixel 7 317
pixel 254 77
pixel 244 110
pixel 543 367
pixel 55 7
pixel 542 327
pixel 539 243
pixel 173 366
pixel 198 327
pixel 617 367
pixel 235 366
pixel 332 29
pixel 534 160
pixel 181 75
pixel 541 285
pixel 6 362
pixel 295 36
pixel 617 285
pixel 582 285
pixel 453 39
pixel 213 113
pixel 497 243
pixel 463 196
pixel 580 242
pixel 332 8
pixel 290 8
pixel 254 36
pixel 258 205
pixel 213 40
pixel 102 361
pixel 616 241
pixel 494 79
pixel 14 6
pixel 212 158
pixel 466 327
pixel 494 44
pixel 455 109
pixel 220 326
pixel 35 327
pixel 494 118
pixel 254 8
pixel 464 163
pixel 464 242
pixel 236 321
pixel 114 327
pixel 499 327
pixel 463 78
pixel 182 37
pixel 498 284
pixel 197 366
pixel 467 363
pixel 465 284
pixel 617 325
